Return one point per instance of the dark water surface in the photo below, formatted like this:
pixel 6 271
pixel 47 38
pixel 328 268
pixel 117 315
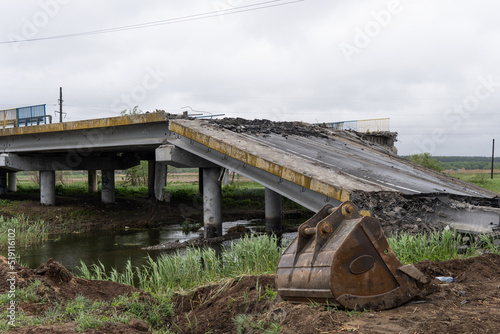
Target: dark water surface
pixel 114 248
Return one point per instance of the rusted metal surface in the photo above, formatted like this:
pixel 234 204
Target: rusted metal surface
pixel 340 257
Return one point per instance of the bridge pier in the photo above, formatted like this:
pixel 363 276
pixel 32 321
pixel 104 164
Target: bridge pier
pixel 212 202
pixel 200 181
pixel 48 187
pixel 273 211
pixel 160 180
pixel 108 186
pixel 92 181
pixel 12 182
pixel 3 182
pixel 151 178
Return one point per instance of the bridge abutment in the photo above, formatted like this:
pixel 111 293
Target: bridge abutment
pixel 48 187
pixel 273 211
pixel 212 202
pixel 108 186
pixel 3 182
pixel 92 181
pixel 12 181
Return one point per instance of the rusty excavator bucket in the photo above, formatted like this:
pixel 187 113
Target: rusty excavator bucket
pixel 342 258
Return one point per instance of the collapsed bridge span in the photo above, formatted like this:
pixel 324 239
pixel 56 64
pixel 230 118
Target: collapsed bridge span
pixel 312 166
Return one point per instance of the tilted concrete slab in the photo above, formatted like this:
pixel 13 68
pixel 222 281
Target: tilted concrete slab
pixel 332 167
pixel 314 171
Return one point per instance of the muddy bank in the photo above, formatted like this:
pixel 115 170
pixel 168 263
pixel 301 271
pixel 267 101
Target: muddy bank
pixel 471 304
pixel 89 214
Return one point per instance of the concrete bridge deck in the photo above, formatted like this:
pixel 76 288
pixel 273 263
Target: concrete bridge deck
pixel 313 170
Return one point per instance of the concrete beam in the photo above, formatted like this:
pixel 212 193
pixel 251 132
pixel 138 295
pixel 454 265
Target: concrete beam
pixel 3 182
pixel 85 137
pixel 180 158
pixel 48 187
pixel 273 211
pixel 212 202
pixel 160 180
pixel 108 186
pixel 92 181
pixel 17 162
pixel 12 182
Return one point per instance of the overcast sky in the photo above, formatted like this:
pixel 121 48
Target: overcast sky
pixel 432 67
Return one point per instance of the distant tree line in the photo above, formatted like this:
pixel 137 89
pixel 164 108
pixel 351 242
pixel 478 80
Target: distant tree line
pixel 454 162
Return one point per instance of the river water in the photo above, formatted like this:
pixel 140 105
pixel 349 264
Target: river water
pixel 113 249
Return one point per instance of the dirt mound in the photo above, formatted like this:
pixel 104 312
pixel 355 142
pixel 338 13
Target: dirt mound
pixel 61 283
pixel 105 329
pixel 469 305
pixel 212 308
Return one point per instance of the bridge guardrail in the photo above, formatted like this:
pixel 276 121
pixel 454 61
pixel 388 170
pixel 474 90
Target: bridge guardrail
pixel 25 116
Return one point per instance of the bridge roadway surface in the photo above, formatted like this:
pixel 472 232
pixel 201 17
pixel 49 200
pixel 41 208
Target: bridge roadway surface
pixel 310 170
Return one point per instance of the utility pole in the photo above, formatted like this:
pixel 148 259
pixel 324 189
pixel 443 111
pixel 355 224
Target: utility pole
pixel 492 158
pixel 60 105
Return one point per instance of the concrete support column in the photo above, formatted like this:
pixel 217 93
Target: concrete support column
pixel 12 182
pixel 48 187
pixel 160 180
pixel 212 202
pixel 3 182
pixel 200 181
pixel 108 186
pixel 92 181
pixel 151 178
pixel 273 211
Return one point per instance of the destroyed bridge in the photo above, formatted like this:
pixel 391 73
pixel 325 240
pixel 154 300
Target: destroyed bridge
pixel 308 164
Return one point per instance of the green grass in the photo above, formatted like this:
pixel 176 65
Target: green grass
pixel 194 267
pixel 440 246
pixel 88 314
pixel 245 323
pixel 27 232
pixel 482 180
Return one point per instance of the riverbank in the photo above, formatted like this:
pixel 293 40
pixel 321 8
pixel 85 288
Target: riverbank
pixel 77 211
pixel 50 299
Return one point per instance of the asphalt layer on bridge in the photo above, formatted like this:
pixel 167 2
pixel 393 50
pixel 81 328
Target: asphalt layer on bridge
pixel 356 164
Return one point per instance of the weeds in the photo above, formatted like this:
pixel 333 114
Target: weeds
pixel 26 232
pixel 87 314
pixel 194 267
pixel 441 246
pixel 245 323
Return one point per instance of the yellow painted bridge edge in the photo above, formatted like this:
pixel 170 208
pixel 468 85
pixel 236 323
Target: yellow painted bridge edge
pixel 86 124
pixel 248 158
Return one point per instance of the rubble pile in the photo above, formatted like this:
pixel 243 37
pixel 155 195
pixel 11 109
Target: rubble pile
pixel 266 127
pixel 418 213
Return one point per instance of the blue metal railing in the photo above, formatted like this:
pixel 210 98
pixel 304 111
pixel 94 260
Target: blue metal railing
pixel 25 116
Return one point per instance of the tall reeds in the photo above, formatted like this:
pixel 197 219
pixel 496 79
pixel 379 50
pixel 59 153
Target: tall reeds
pixel 194 267
pixel 26 232
pixel 445 245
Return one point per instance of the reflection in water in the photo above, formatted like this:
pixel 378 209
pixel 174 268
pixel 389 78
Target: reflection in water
pixel 113 250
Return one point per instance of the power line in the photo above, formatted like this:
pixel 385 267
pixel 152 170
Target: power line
pixel 201 16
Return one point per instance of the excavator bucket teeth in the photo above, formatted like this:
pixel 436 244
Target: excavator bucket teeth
pixel 340 257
